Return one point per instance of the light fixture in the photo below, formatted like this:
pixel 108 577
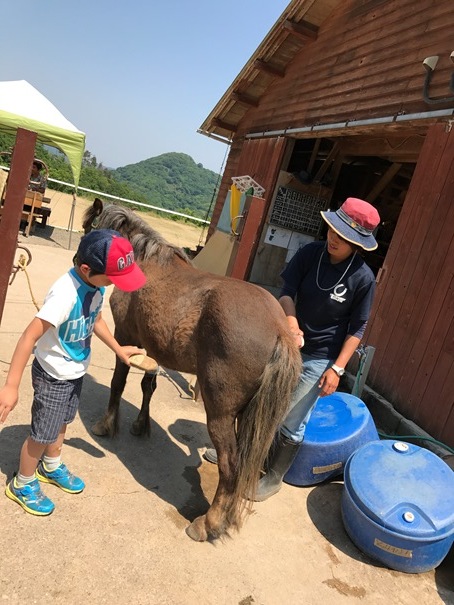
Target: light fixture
pixel 430 63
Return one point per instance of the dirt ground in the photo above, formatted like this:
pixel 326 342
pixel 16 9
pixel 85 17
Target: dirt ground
pixel 61 205
pixel 122 540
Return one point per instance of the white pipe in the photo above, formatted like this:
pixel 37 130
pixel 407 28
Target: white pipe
pixel 439 113
pixel 216 137
pixel 122 199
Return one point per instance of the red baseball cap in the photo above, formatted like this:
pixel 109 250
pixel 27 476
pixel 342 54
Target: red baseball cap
pixel 107 252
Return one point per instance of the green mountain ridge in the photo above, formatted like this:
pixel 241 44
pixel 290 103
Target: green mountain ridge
pixel 173 181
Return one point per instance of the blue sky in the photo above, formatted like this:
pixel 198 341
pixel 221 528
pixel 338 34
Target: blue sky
pixel 137 77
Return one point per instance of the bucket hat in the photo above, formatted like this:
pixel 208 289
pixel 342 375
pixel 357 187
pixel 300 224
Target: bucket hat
pixel 106 251
pixel 355 222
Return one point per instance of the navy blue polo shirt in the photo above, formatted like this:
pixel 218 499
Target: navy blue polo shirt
pixel 327 314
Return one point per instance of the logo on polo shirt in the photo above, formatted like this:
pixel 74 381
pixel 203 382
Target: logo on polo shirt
pixel 338 294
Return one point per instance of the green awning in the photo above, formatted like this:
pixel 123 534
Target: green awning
pixel 22 106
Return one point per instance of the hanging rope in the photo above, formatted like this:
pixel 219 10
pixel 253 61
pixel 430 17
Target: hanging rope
pixel 23 267
pixel 22 264
pixel 215 190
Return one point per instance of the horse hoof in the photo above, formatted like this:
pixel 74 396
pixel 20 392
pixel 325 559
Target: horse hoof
pixel 136 429
pixel 197 530
pixel 99 429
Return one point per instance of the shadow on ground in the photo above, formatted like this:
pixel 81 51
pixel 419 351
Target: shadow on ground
pixel 444 578
pixel 157 463
pixel 11 440
pixel 324 508
pixel 52 236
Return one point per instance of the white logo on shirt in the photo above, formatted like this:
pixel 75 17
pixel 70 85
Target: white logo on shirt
pixel 338 294
pixel 79 329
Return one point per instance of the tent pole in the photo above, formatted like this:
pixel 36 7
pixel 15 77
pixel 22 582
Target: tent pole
pixel 71 219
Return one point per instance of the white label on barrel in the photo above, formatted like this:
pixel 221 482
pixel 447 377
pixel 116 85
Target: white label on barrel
pixel 317 470
pixel 400 552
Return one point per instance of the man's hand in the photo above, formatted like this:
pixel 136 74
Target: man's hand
pixel 298 335
pixel 328 382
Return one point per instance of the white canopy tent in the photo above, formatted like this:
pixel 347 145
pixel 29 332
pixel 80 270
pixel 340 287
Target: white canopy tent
pixel 22 106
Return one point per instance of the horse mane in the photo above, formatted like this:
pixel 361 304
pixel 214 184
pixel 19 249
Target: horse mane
pixel 146 241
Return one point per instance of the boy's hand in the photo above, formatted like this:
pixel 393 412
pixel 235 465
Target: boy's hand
pixel 125 353
pixel 8 400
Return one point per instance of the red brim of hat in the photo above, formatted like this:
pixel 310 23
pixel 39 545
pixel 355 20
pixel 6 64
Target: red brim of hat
pixel 130 281
pixel 348 233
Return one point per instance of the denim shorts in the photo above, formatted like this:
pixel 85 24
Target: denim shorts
pixel 55 403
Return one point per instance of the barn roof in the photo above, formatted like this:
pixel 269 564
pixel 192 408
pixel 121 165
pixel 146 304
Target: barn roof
pixel 296 28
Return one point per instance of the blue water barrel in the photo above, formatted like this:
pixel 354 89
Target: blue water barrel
pixel 339 424
pixel 398 505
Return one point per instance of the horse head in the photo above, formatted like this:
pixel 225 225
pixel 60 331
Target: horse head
pixel 91 216
pixel 147 242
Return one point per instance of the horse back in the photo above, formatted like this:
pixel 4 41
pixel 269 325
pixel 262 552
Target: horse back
pixel 186 318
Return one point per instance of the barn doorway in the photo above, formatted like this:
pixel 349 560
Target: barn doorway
pixel 321 173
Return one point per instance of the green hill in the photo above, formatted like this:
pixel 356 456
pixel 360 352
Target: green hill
pixel 173 181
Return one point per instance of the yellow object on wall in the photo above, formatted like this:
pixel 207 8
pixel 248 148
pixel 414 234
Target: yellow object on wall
pixel 235 200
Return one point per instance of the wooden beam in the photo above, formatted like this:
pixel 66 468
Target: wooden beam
pixel 383 182
pixel 402 159
pixel 314 155
pixel 246 99
pixel 384 146
pixel 303 30
pixel 254 215
pixel 337 167
pixel 224 125
pixel 269 69
pixel 19 175
pixel 327 163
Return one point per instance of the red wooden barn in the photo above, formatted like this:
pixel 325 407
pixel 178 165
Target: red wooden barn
pixel 356 98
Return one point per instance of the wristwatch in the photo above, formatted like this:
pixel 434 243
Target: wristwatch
pixel 339 371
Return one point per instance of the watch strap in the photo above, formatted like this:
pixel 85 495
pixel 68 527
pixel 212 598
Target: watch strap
pixel 339 371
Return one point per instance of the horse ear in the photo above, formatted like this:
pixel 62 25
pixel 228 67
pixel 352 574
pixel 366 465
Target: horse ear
pixel 98 205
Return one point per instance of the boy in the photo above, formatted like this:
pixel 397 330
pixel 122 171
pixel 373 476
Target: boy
pixel 38 181
pixel 60 337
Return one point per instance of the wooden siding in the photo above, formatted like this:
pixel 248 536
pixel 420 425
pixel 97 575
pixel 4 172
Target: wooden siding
pixel 412 323
pixel 260 160
pixel 366 62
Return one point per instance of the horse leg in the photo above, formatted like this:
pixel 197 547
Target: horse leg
pixel 219 517
pixel 109 424
pixel 141 426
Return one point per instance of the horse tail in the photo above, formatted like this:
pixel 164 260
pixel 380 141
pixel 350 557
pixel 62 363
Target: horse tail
pixel 260 421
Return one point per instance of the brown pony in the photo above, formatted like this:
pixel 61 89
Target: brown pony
pixel 233 335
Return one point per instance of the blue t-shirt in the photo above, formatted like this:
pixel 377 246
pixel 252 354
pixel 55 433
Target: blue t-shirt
pixel 330 311
pixel 71 306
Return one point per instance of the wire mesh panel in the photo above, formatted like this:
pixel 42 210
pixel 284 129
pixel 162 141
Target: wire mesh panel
pixel 299 210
